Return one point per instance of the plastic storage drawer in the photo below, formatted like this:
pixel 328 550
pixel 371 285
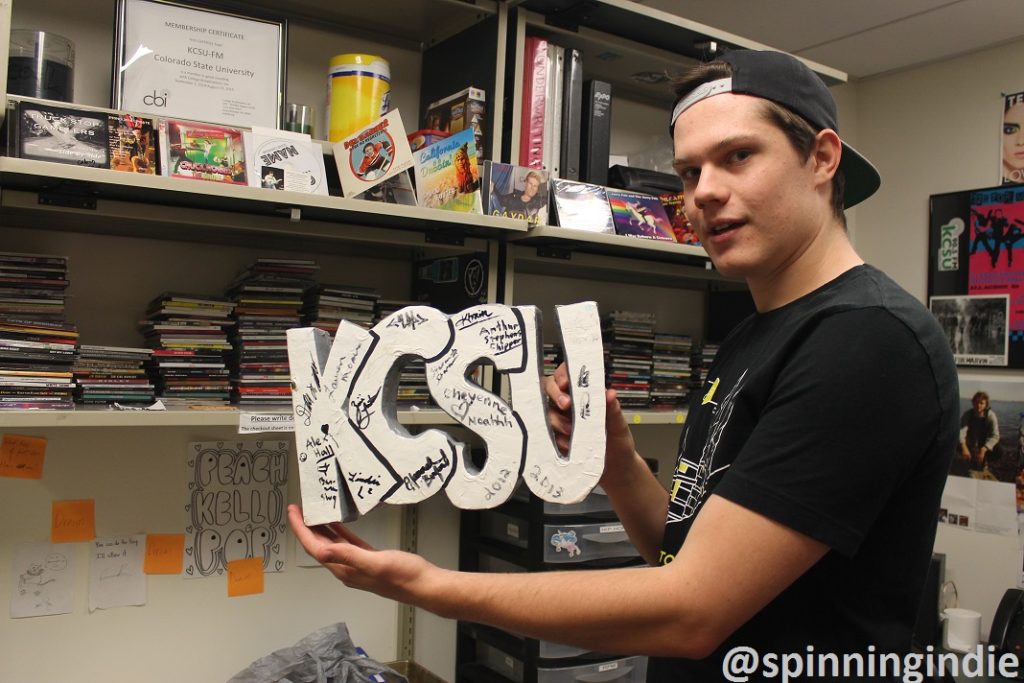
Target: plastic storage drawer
pixel 582 542
pixel 623 670
pixel 596 501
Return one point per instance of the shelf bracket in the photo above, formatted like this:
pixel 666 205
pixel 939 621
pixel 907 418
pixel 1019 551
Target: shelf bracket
pixel 559 253
pixel 69 195
pixel 451 237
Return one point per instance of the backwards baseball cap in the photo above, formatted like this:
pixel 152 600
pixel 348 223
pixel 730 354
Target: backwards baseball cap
pixel 787 81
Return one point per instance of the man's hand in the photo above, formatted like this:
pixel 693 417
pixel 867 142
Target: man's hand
pixel 620 445
pixel 389 573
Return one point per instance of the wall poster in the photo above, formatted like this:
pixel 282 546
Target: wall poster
pixel 976 274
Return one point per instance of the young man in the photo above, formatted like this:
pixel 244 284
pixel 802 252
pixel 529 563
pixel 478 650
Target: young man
pixel 796 517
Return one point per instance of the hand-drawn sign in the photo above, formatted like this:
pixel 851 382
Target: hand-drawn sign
pixel 353 454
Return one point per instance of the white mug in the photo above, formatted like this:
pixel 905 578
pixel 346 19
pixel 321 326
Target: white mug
pixel 963 629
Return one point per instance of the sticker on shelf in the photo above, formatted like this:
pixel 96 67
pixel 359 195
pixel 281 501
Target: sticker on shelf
pixel 566 540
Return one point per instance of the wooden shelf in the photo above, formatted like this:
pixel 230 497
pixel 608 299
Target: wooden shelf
pixel 78 187
pixel 102 416
pixel 563 242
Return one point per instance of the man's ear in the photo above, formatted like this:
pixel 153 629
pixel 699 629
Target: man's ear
pixel 827 152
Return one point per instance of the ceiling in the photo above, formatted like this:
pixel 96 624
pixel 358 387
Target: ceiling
pixel 862 37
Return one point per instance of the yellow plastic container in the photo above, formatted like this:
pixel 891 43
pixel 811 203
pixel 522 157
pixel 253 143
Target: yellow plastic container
pixel 358 92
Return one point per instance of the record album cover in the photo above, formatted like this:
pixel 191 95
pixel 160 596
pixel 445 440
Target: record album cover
pixel 675 206
pixel 582 206
pixel 63 134
pixel 447 176
pixel 372 155
pixel 204 151
pixel 283 160
pixel 515 192
pixel 132 142
pixel 639 215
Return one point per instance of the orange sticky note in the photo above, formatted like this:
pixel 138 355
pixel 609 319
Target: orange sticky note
pixel 73 520
pixel 245 577
pixel 22 456
pixel 165 554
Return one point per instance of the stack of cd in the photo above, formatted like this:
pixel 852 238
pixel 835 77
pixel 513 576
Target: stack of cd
pixel 188 335
pixel 112 374
pixel 412 383
pixel 628 355
pixel 37 346
pixel 670 381
pixel 326 305
pixel 552 357
pixel 269 296
pixel 703 357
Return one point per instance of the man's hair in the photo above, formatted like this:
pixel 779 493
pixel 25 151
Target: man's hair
pixel 798 130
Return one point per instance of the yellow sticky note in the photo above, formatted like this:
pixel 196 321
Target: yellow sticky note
pixel 73 520
pixel 22 456
pixel 245 577
pixel 165 554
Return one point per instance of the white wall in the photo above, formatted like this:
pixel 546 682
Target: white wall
pixel 930 130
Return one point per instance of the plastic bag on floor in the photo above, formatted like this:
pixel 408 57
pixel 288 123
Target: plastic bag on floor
pixel 324 656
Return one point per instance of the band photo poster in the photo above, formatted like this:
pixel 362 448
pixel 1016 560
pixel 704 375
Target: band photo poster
pixel 976 274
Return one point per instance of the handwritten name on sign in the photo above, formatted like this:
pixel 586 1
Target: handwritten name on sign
pixel 353 454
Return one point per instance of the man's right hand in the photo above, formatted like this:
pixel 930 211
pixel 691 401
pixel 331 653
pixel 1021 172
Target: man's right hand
pixel 620 447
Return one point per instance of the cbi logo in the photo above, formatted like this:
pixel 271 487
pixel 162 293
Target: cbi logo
pixel 156 99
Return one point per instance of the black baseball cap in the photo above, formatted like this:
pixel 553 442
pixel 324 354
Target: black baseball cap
pixel 787 81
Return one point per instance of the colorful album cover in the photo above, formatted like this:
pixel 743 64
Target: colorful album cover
pixel 284 160
pixel 675 207
pixel 639 215
pixel 372 155
pixel 204 151
pixel 582 206
pixel 132 142
pixel 447 176
pixel 515 192
pixel 64 135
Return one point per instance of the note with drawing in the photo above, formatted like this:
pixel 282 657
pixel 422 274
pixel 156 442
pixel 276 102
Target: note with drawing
pixel 43 577
pixel 116 578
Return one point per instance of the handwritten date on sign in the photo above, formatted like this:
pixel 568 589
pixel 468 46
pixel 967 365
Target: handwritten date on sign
pixel 353 454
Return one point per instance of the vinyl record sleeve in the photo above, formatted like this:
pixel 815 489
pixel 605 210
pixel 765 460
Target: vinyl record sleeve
pixel 582 206
pixel 63 135
pixel 204 151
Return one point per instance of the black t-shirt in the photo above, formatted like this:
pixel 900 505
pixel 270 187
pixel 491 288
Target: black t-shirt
pixel 836 415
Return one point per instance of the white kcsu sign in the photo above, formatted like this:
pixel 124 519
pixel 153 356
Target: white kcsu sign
pixel 353 454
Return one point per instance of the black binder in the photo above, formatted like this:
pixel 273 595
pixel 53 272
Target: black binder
pixel 572 114
pixel 596 132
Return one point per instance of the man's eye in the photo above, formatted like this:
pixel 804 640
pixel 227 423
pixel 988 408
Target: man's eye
pixel 689 175
pixel 741 155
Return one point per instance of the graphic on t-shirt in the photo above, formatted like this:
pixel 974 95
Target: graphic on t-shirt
pixel 690 480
